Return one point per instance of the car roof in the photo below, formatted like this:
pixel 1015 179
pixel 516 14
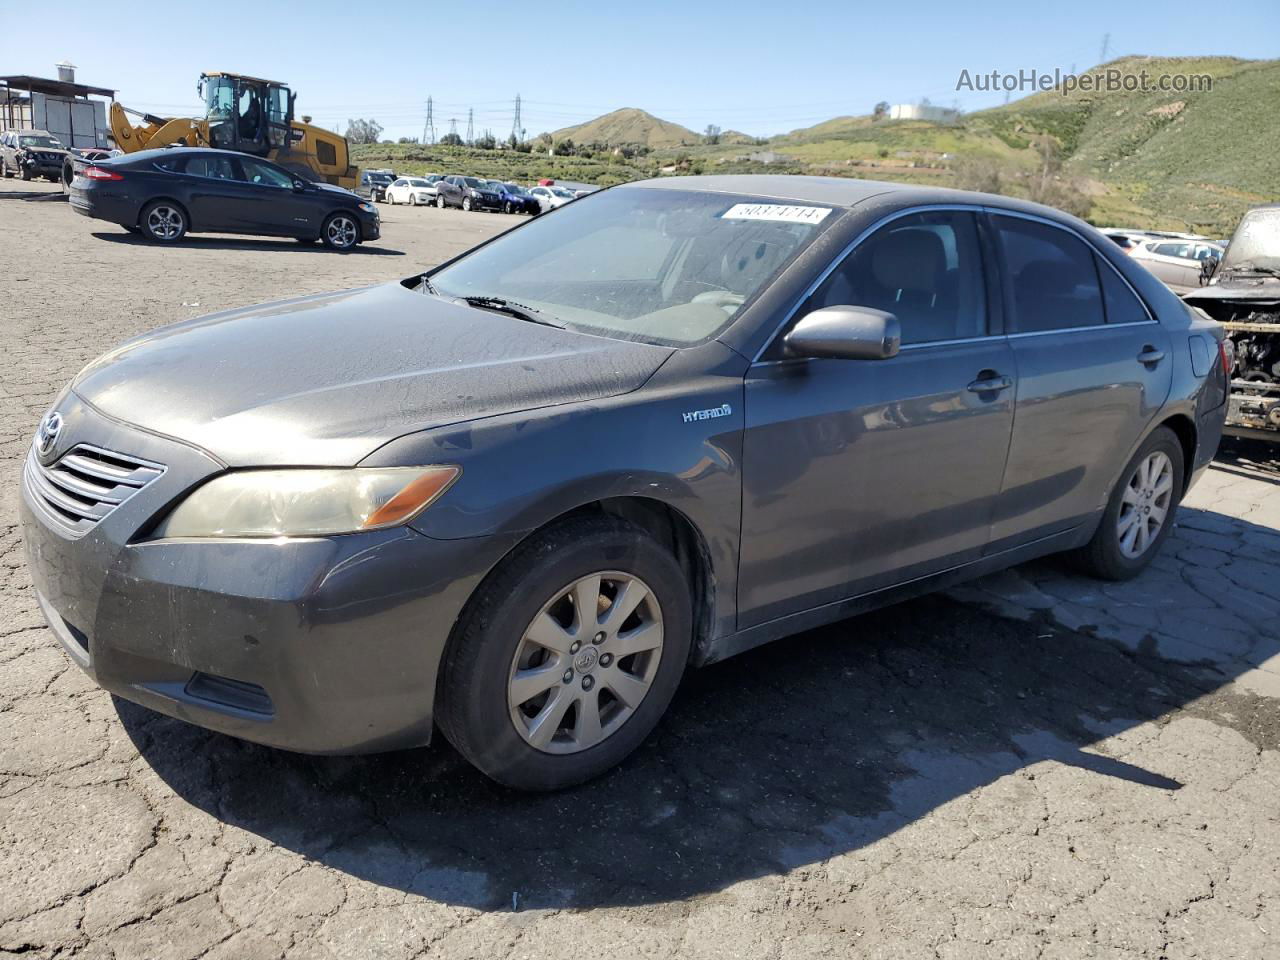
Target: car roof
pixel 844 192
pixel 183 152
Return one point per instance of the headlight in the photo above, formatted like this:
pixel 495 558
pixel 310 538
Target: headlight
pixel 368 207
pixel 305 502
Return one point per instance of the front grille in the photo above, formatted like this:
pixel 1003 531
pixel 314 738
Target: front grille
pixel 85 484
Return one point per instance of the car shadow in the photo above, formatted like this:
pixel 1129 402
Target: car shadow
pixel 806 749
pixel 1246 456
pixel 52 194
pixel 249 243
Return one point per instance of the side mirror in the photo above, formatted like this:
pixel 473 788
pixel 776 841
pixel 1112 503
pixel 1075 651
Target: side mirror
pixel 845 333
pixel 299 186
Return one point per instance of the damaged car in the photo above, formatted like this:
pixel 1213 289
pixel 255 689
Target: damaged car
pixel 1244 296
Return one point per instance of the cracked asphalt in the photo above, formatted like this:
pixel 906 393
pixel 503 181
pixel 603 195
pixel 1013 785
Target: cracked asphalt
pixel 1034 765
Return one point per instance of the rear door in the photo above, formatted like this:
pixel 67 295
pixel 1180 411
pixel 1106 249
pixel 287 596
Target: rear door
pixel 216 195
pixel 858 475
pixel 1092 370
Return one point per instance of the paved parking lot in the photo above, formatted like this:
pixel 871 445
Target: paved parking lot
pixel 1036 765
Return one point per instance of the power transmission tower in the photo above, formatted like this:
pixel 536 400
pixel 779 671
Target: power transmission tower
pixel 453 128
pixel 1106 46
pixel 515 122
pixel 471 126
pixel 429 127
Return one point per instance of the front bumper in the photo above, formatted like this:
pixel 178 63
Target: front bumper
pixel 43 167
pixel 321 645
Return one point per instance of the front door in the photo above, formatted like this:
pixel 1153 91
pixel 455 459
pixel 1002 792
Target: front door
pixel 858 475
pixel 273 204
pixel 1093 369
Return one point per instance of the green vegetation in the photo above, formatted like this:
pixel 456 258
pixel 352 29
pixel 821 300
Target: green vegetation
pixel 1187 160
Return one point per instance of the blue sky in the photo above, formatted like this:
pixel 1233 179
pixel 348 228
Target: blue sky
pixel 762 68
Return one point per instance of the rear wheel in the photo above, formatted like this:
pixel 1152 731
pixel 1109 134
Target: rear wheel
pixel 568 655
pixel 163 221
pixel 340 232
pixel 1139 515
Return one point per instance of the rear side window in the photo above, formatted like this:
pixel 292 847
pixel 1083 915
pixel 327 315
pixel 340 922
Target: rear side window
pixel 215 167
pixel 1123 306
pixel 1051 277
pixel 924 268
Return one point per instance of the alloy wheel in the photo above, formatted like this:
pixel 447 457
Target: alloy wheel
pixel 341 232
pixel 585 663
pixel 164 222
pixel 1145 504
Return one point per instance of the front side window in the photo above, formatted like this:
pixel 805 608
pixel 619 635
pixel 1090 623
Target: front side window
pixel 255 171
pixel 1051 277
pixel 924 268
pixel 638 263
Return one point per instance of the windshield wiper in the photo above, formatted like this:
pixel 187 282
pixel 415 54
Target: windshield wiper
pixel 513 309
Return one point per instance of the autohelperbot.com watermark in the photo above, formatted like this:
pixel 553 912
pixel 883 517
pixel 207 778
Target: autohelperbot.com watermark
pixel 1108 80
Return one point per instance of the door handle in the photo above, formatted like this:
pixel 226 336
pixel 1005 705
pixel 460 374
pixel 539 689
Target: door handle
pixel 990 382
pixel 1150 356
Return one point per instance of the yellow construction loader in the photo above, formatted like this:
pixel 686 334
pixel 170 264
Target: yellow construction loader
pixel 246 114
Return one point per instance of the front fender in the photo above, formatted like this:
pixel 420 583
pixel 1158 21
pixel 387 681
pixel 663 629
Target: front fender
pixel 677 440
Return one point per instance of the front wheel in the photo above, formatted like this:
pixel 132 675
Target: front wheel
pixel 466 204
pixel 340 232
pixel 1140 512
pixel 440 201
pixel 567 656
pixel 163 221
pixel 4 169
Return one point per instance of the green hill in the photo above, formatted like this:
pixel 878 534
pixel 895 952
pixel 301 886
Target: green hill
pixel 1191 160
pixel 631 127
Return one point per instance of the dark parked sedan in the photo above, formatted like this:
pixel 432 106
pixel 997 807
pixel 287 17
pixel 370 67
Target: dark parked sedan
pixel 515 198
pixel 468 193
pixel 515 497
pixel 165 194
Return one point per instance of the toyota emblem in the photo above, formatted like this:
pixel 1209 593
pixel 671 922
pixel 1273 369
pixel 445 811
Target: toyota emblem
pixel 47 435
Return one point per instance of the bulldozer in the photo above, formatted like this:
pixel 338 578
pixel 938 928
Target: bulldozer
pixel 247 114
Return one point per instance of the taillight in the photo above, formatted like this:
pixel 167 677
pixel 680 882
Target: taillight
pixel 1226 361
pixel 100 173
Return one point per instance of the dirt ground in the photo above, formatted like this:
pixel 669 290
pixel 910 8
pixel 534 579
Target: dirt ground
pixel 1036 765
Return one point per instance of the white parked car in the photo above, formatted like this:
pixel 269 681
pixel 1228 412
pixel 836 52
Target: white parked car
pixel 551 197
pixel 413 190
pixel 1179 263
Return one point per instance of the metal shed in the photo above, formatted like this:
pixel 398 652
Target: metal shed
pixel 63 107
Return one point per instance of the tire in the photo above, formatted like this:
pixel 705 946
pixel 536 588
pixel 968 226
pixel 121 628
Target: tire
pixel 466 204
pixel 478 696
pixel 23 172
pixel 440 201
pixel 1127 539
pixel 4 170
pixel 340 232
pixel 163 221
pixel 390 200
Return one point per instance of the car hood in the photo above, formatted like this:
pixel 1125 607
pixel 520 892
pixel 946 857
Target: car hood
pixel 326 380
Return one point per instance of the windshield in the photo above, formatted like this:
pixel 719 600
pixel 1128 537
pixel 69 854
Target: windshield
pixel 380 177
pixel 513 188
pixel 636 263
pixel 1256 242
pixel 559 192
pixel 38 142
pixel 472 182
pixel 418 183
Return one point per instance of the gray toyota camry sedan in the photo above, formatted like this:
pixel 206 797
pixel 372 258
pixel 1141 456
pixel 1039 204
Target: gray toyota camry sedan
pixel 515 497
